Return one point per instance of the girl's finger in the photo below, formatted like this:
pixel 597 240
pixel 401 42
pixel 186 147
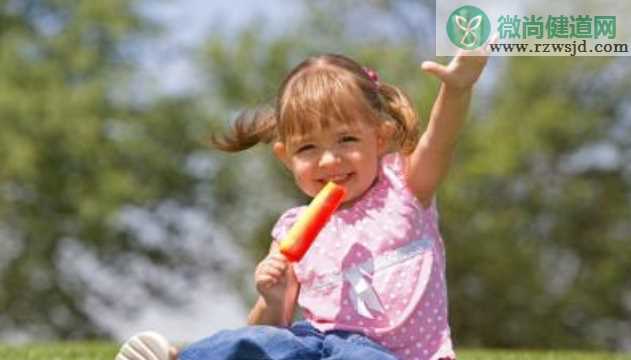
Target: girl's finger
pixel 435 69
pixel 486 49
pixel 267 281
pixel 272 271
pixel 277 263
pixel 279 257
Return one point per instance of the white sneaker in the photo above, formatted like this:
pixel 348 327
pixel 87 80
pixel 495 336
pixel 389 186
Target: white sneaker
pixel 148 345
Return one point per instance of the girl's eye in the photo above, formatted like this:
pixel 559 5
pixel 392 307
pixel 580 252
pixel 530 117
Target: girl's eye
pixel 349 139
pixel 305 148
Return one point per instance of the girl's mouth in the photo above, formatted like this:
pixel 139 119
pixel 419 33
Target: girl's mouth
pixel 338 179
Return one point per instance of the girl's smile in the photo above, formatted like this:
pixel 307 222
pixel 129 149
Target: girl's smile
pixel 339 179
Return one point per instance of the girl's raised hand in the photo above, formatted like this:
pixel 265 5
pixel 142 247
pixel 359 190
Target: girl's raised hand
pixel 463 70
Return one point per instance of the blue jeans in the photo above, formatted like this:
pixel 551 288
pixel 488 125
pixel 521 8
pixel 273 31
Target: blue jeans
pixel 299 342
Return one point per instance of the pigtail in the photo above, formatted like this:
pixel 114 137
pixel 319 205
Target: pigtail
pixel 398 106
pixel 250 128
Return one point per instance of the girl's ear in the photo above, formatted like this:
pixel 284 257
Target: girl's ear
pixel 281 152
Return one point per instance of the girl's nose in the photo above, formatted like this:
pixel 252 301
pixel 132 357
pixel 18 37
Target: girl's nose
pixel 328 158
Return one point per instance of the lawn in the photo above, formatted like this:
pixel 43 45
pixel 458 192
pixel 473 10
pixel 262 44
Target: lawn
pixel 106 351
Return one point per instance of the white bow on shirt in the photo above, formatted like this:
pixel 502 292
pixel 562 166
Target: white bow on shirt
pixel 363 294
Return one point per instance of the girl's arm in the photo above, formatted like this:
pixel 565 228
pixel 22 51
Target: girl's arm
pixel 278 291
pixel 429 163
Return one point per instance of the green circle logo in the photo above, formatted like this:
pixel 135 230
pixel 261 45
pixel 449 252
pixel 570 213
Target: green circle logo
pixel 468 27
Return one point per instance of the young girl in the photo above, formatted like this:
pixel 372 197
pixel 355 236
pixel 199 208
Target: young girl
pixel 373 284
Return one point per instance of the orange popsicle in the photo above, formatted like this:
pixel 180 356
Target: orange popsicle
pixel 300 237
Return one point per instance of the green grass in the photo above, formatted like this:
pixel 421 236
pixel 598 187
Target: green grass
pixel 106 351
pixel 537 355
pixel 60 351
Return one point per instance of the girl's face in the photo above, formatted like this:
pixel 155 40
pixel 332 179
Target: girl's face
pixel 346 155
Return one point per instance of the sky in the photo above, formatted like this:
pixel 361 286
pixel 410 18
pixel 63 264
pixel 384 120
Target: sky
pixel 188 22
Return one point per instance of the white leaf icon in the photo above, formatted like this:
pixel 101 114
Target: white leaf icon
pixel 461 22
pixel 474 23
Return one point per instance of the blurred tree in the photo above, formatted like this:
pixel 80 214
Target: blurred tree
pixel 82 156
pixel 536 209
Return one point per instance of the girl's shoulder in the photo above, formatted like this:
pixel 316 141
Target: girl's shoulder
pixel 394 161
pixel 393 169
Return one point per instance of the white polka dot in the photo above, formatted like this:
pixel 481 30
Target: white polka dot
pixel 407 351
pixel 412 321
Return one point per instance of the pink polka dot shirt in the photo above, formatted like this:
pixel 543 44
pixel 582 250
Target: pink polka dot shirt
pixel 378 268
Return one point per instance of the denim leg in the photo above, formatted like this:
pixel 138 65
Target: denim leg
pixel 255 343
pixel 343 345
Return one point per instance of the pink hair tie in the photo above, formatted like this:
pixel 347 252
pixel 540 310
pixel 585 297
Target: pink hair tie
pixel 372 75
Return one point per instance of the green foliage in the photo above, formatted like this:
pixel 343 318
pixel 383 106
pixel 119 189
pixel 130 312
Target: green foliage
pixel 537 243
pixel 73 155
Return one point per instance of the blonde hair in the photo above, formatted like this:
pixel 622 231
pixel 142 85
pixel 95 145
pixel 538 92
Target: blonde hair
pixel 321 91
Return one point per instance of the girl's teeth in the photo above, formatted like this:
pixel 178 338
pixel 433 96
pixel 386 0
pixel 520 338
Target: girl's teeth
pixel 338 178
